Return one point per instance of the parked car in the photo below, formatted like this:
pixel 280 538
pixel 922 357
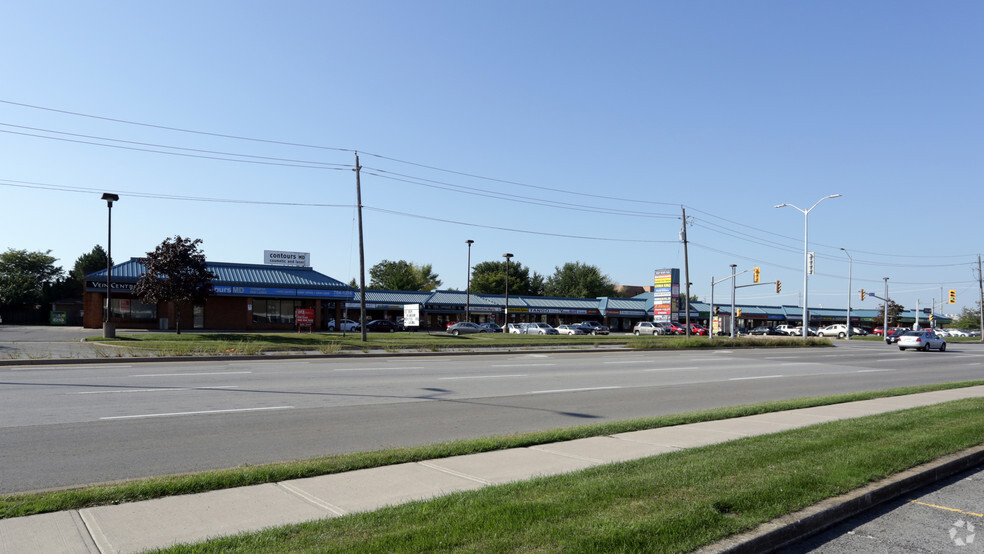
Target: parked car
pixel 957 333
pixel 595 327
pixel 811 331
pixel 540 329
pixel 346 325
pixel 670 328
pixel 464 328
pixel 514 328
pixel 765 330
pixel 490 327
pixel 878 331
pixel 839 331
pixel 383 325
pixel 789 330
pixel 450 323
pixel 698 329
pixel 570 330
pixel 647 328
pixel 922 340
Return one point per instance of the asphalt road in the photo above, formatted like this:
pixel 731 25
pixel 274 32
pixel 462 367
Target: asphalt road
pixel 87 423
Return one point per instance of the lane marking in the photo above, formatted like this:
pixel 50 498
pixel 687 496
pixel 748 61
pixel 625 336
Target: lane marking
pixel 192 374
pixel 523 365
pixel 874 370
pixel 571 390
pixel 759 377
pixel 174 414
pixel 630 362
pixel 781 357
pixel 122 391
pixel 945 508
pixel 479 377
pixel 30 368
pixel 374 368
pixel 668 369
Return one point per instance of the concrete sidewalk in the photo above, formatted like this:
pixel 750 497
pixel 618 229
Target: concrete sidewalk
pixel 139 526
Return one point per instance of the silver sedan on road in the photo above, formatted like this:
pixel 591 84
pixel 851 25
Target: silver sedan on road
pixel 922 340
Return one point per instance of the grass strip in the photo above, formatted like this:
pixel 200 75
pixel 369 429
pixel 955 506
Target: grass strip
pixel 674 502
pixel 17 505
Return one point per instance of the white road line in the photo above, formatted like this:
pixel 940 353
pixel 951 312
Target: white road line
pixel 479 377
pixel 34 367
pixel 121 391
pixel 373 368
pixel 646 361
pixel 522 365
pixel 192 374
pixel 874 370
pixel 760 377
pixel 780 357
pixel 173 414
pixel 571 390
pixel 799 363
pixel 669 369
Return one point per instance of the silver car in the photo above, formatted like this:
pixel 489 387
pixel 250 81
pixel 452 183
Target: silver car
pixel 569 330
pixel 648 328
pixel 464 328
pixel 540 329
pixel 922 340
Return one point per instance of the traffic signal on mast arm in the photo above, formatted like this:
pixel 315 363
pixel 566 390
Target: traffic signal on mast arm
pixel 953 296
pixel 738 312
pixel 756 273
pixel 863 294
pixel 717 310
pixel 778 287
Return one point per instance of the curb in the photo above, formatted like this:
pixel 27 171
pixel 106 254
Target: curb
pixel 792 528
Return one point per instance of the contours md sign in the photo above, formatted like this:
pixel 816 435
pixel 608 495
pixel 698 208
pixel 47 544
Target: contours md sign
pixel 295 259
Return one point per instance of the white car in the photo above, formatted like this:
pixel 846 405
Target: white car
pixel 840 331
pixel 540 329
pixel 647 328
pixel 789 329
pixel 569 330
pixel 957 333
pixel 922 340
pixel 347 325
pixel 514 328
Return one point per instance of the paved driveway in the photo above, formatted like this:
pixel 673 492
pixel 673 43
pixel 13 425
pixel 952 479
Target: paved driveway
pixel 45 341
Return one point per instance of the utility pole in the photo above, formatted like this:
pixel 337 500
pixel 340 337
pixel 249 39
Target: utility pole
pixel 686 270
pixel 885 328
pixel 733 266
pixel 980 284
pixel 362 252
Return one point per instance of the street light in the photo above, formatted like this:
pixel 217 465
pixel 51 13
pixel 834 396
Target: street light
pixel 806 257
pixel 850 271
pixel 468 287
pixel 507 256
pixel 109 331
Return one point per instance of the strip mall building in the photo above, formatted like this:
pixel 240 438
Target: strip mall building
pixel 263 297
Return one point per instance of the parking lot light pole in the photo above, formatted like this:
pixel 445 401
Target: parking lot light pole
pixel 109 331
pixel 850 271
pixel 806 257
pixel 507 256
pixel 468 286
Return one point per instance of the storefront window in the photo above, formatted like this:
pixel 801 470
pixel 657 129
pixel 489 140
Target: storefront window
pixel 267 310
pixel 131 308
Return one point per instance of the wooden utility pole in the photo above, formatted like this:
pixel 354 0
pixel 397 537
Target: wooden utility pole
pixel 980 284
pixel 362 252
pixel 686 270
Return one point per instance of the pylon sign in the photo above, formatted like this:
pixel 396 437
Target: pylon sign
pixel 666 294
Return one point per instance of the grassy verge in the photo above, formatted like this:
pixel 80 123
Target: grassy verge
pixel 35 503
pixel 675 502
pixel 229 344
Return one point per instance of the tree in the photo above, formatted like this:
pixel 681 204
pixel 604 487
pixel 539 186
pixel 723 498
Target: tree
pixel 26 276
pixel 403 275
pixel 89 263
pixel 968 318
pixel 176 272
pixel 578 280
pixel 490 278
pixel 894 310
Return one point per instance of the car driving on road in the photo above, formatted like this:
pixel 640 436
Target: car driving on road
pixel 922 340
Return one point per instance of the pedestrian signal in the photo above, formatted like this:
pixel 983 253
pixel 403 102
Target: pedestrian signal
pixel 756 273
pixel 953 296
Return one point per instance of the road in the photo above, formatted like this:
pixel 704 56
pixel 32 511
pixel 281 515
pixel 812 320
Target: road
pixel 86 423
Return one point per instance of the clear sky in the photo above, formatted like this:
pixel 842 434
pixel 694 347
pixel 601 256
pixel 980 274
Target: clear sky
pixel 555 130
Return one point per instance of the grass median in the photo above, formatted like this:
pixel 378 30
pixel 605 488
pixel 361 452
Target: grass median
pixel 232 344
pixel 16 505
pixel 674 502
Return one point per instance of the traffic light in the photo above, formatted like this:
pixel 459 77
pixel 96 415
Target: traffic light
pixel 717 310
pixel 756 273
pixel 778 287
pixel 863 294
pixel 953 296
pixel 738 312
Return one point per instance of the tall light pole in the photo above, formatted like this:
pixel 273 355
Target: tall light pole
pixel 733 266
pixel 885 328
pixel 507 256
pixel 468 286
pixel 109 331
pixel 806 257
pixel 850 271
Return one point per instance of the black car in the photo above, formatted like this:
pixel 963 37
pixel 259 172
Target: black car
pixel 383 325
pixel 765 330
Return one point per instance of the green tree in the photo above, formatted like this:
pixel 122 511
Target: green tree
pixel 399 275
pixel 25 277
pixel 490 278
pixel 894 311
pixel 88 263
pixel 176 272
pixel 579 280
pixel 426 277
pixel 968 318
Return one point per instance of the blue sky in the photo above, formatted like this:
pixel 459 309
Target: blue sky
pixel 557 131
